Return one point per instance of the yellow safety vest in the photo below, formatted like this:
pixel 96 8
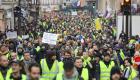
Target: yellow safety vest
pixel 38 48
pixel 45 24
pixel 85 74
pixel 20 58
pixel 31 34
pixel 51 30
pixel 86 61
pixel 114 31
pixel 105 71
pixel 22 76
pixel 8 54
pixel 133 73
pixel 60 77
pixel 61 69
pixel 122 67
pixel 20 38
pixel 132 41
pixel 46 73
pixel 122 54
pixel 7 74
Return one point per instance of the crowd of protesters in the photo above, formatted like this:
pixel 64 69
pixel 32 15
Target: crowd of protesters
pixel 82 52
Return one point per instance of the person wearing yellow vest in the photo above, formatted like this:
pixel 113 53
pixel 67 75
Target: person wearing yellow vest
pixel 19 37
pixel 20 51
pixel 129 72
pixel 86 59
pixel 4 50
pixel 83 72
pixel 49 66
pixel 132 41
pixel 120 55
pixel 105 67
pixel 5 70
pixel 69 73
pixel 15 57
pixel 16 72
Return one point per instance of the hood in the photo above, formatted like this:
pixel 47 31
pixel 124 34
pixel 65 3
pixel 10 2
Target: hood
pixel 75 75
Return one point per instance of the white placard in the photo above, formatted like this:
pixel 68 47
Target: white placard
pixel 74 13
pixel 49 38
pixel 11 35
pixel 25 36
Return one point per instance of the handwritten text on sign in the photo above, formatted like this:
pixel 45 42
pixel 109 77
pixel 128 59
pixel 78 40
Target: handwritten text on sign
pixel 50 38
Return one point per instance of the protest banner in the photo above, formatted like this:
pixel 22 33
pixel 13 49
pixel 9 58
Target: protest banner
pixel 11 35
pixel 49 38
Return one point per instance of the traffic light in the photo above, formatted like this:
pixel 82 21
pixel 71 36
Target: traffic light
pixel 94 4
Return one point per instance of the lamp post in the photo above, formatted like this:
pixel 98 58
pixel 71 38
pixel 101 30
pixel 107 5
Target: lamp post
pixel 126 10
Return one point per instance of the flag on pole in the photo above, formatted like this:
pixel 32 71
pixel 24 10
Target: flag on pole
pixel 98 24
pixel 79 3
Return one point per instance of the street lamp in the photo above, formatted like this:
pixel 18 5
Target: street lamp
pixel 127 1
pixel 126 10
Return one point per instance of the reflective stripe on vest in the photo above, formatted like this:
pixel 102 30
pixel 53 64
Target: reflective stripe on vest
pixel 105 71
pixel 8 74
pixel 46 73
pixel 85 74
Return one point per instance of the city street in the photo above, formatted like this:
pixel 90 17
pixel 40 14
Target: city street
pixel 69 40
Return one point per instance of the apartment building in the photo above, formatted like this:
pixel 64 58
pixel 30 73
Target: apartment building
pixel 6 14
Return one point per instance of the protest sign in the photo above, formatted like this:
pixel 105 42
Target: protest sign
pixel 74 13
pixel 25 36
pixel 11 34
pixel 50 38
